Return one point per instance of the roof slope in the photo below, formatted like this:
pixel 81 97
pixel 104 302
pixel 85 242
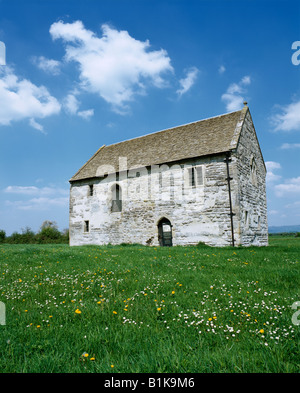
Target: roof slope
pixel 205 137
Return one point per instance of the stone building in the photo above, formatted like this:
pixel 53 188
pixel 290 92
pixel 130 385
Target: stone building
pixel 200 182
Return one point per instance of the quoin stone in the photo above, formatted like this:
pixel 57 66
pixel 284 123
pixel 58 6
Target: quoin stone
pixel 199 182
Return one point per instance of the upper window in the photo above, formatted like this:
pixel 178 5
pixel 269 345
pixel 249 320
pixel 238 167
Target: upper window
pixel 195 176
pixel 246 219
pixel 116 205
pixel 91 189
pixel 253 172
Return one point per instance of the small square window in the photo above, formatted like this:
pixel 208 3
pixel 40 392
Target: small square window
pixel 86 226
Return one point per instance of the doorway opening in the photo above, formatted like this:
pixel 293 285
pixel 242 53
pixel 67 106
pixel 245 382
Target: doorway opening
pixel 165 233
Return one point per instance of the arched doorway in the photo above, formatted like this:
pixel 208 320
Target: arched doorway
pixel 165 232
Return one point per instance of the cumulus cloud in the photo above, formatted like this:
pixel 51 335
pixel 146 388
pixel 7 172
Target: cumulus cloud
pixel 290 186
pixel 36 125
pixel 115 66
pixel 72 104
pixel 21 99
pixel 50 66
pixel 288 119
pixel 271 167
pixel 187 82
pixel 234 95
pixel 87 114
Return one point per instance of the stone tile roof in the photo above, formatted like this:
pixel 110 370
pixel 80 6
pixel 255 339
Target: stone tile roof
pixel 205 137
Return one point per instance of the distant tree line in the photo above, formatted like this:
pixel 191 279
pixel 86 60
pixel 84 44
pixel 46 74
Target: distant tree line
pixel 48 233
pixel 295 234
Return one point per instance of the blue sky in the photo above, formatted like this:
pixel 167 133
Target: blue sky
pixel 80 74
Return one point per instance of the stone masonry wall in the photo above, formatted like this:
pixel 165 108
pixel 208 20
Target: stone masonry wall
pixel 251 219
pixel 197 214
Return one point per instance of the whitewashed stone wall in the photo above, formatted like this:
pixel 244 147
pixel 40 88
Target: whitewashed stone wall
pixel 197 214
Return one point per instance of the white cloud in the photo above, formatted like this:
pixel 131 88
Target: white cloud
pixel 36 125
pixel 87 114
pixel 288 119
pixel 234 95
pixel 21 99
pixel 40 198
pixel 48 65
pixel 187 82
pixel 271 167
pixel 246 80
pixel 273 212
pixel 41 203
pixel 115 66
pixel 287 146
pixel 71 105
pixel 35 191
pixel 290 186
pixel 221 69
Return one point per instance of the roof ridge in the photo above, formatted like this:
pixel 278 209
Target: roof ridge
pixel 213 135
pixel 173 128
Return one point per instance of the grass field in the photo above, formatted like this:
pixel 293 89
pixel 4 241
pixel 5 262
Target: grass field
pixel 145 309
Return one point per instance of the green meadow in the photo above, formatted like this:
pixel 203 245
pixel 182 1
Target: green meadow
pixel 132 308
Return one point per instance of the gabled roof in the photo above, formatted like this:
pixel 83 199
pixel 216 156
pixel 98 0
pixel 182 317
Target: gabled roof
pixel 201 138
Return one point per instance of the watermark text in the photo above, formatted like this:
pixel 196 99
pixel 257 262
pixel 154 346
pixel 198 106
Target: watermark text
pixel 296 54
pixel 2 314
pixel 2 54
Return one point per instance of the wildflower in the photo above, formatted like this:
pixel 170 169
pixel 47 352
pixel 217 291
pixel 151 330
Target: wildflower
pixel 115 312
pixel 92 359
pixel 77 311
pixel 173 292
pixel 261 331
pixel 112 366
pixel 159 308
